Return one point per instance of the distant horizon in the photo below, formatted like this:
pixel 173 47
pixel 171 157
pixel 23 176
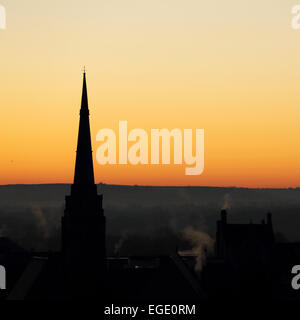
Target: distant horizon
pixel 153 186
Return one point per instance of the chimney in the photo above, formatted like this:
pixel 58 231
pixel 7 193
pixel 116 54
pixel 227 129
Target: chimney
pixel 224 216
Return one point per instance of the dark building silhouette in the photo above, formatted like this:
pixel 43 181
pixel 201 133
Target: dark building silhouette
pixel 83 223
pixel 248 263
pixel 245 245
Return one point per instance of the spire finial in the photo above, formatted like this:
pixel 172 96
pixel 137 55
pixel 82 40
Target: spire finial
pixel 84 69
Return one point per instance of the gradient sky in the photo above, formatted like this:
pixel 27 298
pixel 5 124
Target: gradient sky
pixel 231 67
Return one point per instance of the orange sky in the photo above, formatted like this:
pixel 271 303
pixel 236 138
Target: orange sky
pixel 231 68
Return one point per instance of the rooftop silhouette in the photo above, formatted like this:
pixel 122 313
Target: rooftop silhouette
pixel 247 261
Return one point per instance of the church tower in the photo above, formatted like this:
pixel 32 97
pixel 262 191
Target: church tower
pixel 83 223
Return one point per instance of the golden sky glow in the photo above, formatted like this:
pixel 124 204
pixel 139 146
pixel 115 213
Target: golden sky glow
pixel 230 67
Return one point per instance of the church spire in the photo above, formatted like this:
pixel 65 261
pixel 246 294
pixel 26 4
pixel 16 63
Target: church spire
pixel 83 222
pixel 84 170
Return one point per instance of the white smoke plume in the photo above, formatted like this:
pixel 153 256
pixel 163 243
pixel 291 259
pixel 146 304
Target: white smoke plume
pixel 202 245
pixel 41 221
pixel 119 244
pixel 227 202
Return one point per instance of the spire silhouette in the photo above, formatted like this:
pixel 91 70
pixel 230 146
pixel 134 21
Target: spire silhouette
pixel 84 170
pixel 83 223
